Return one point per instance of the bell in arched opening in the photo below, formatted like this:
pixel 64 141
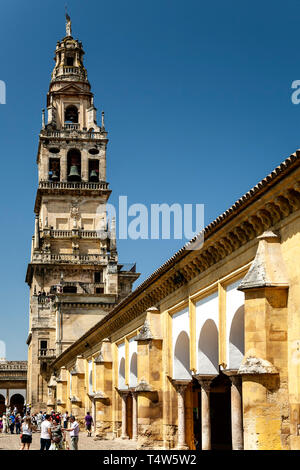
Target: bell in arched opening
pixel 74 173
pixel 93 176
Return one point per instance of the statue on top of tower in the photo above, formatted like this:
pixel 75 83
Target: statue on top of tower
pixel 68 25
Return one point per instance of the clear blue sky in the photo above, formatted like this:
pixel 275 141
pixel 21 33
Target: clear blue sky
pixel 197 97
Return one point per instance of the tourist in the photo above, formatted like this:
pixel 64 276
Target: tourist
pixel 88 423
pixel 18 423
pixel 39 419
pixel 65 419
pixel 57 436
pixel 12 423
pixel 26 436
pixel 74 433
pixel 46 433
pixel 5 423
pixel 1 425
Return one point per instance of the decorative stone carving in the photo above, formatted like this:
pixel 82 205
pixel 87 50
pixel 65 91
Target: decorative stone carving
pixel 255 365
pixel 268 268
pixel 143 386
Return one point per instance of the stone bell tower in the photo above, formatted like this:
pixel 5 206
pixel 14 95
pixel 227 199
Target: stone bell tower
pixel 74 275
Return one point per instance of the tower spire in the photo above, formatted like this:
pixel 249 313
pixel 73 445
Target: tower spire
pixel 68 24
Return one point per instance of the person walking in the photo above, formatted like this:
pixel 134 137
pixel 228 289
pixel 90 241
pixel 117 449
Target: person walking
pixel 74 433
pixel 12 423
pixel 5 423
pixel 39 419
pixel 18 423
pixel 88 423
pixel 65 419
pixel 26 436
pixel 57 436
pixel 46 434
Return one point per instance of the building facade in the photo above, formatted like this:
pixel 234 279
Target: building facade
pixel 74 275
pixel 204 353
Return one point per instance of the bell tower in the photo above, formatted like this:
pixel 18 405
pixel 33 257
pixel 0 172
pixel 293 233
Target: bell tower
pixel 74 275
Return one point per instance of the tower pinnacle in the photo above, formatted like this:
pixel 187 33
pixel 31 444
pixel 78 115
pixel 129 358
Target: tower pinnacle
pixel 68 25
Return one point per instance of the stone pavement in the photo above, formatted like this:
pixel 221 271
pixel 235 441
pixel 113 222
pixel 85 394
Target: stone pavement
pixel 12 442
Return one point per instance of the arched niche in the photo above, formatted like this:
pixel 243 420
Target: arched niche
pixel 208 349
pixel 133 370
pixel 181 361
pixel 237 339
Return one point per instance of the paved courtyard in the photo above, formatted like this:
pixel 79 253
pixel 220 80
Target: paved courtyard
pixel 12 442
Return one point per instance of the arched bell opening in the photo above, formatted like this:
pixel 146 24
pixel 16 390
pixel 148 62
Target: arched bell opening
pixel 71 115
pixel 74 165
pixel 54 169
pixel 93 170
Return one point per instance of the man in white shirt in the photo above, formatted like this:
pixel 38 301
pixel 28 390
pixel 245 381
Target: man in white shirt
pixel 74 433
pixel 46 433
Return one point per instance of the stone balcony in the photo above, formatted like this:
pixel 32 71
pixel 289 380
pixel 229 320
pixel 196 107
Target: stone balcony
pixel 87 234
pixel 46 354
pixel 102 185
pixel 69 129
pixel 40 257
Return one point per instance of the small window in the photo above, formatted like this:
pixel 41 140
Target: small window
pixel 44 344
pixel 99 290
pixel 98 277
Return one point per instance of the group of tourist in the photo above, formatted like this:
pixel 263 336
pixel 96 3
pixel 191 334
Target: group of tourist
pixel 53 428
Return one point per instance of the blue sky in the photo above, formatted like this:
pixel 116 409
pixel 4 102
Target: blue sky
pixel 197 97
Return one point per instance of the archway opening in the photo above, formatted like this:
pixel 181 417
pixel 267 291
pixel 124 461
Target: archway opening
pixel 182 357
pixel 208 349
pixel 220 413
pixel 237 339
pixel 17 400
